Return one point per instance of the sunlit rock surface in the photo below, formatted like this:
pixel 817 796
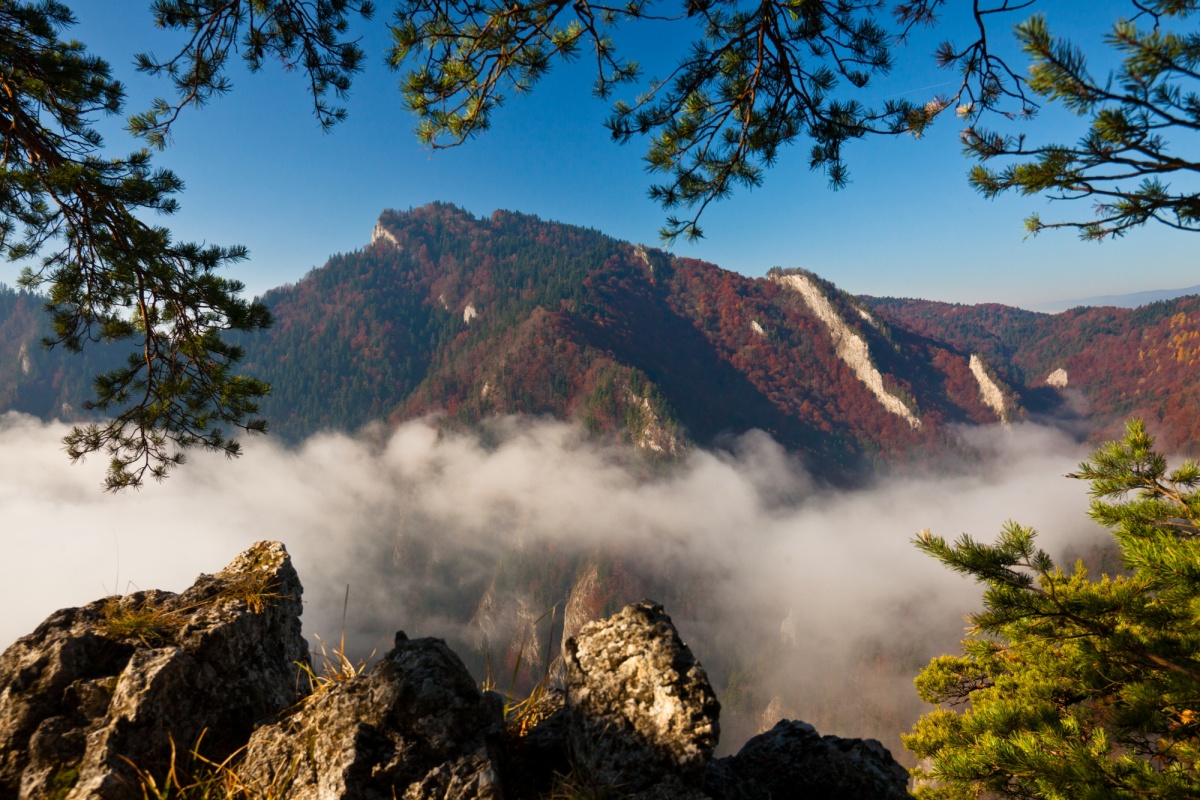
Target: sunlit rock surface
pixel 642 704
pixel 415 725
pixel 851 348
pixel 95 701
pixel 96 689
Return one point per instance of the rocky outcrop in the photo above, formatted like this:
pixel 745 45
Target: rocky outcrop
pixel 989 391
pixel 647 428
pixel 382 234
pixel 642 708
pixel 851 348
pixel 1057 379
pixel 98 689
pixel 792 760
pixel 415 726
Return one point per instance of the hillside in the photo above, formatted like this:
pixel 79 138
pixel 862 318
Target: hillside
pixel 1102 365
pixel 470 318
pixel 510 314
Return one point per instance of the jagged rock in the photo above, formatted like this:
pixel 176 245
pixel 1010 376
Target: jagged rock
pixel 794 762
pixel 123 677
pixel 415 726
pixel 642 709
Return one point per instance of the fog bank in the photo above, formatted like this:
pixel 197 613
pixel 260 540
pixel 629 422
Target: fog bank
pixel 810 603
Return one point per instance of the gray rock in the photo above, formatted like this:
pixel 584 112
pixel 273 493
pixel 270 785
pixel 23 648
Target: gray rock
pixel 642 709
pixel 794 762
pixel 415 727
pixel 122 678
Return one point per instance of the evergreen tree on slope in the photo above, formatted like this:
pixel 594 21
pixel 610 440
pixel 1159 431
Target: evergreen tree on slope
pixel 1071 687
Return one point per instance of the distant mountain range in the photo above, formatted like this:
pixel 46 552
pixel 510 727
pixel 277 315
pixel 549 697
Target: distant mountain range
pixel 472 317
pixel 1132 300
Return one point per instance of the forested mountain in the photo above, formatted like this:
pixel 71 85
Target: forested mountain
pixel 472 317
pixel 34 379
pixel 1103 364
pixel 468 318
pixel 510 314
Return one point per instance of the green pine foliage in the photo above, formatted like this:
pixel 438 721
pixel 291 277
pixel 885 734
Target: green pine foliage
pixel 754 78
pixel 1141 120
pixel 76 216
pixel 1070 686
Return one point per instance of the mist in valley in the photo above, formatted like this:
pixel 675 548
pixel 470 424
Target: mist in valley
pixel 801 601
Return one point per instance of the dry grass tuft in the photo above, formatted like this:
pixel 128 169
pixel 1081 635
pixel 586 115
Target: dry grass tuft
pixel 148 622
pixel 257 590
pixel 335 667
pixel 203 779
pixel 156 623
pixel 521 715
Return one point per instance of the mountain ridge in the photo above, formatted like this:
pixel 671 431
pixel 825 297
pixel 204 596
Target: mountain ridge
pixel 1127 300
pixel 476 317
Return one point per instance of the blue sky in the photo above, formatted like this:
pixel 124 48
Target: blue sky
pixel 260 172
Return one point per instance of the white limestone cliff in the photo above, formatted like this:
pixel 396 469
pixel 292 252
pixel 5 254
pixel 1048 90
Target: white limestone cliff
pixel 653 435
pixel 382 234
pixel 850 347
pixel 641 253
pixel 1058 378
pixel 989 391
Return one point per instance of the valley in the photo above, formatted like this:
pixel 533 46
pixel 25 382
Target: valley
pixel 633 372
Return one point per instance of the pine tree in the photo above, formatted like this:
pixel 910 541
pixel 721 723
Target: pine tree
pixel 757 77
pixel 77 217
pixel 1070 686
pixel 1124 160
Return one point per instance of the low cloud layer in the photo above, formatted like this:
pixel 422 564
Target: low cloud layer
pixel 818 596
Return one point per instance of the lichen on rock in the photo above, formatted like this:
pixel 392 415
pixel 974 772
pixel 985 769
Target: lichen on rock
pixel 415 726
pixel 641 704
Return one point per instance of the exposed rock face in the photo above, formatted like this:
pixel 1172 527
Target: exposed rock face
pixel 124 677
pixel 120 678
pixel 642 707
pixel 649 433
pixel 382 234
pixel 989 391
pixel 793 761
pixel 415 725
pixel 851 348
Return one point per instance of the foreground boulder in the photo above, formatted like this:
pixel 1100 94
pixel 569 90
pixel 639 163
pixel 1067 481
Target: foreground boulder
pixel 123 677
pixel 794 762
pixel 415 726
pixel 642 709
pixel 96 690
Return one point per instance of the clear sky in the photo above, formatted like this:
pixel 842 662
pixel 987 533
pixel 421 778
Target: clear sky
pixel 260 172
